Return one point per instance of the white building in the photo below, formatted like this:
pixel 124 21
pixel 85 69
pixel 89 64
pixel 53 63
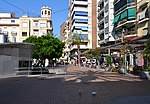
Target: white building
pixel 83 20
pixel 105 21
pixel 9 26
pixel 18 29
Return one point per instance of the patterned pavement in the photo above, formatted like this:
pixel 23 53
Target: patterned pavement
pixel 76 87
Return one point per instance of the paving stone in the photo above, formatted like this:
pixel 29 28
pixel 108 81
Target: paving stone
pixel 64 89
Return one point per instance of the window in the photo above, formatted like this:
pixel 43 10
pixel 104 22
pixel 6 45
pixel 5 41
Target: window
pixel 35 24
pixel 83 36
pixel 48 12
pixel 24 33
pixel 5 28
pixel 106 19
pixel 12 21
pixel 24 24
pixel 106 30
pixel 42 25
pixel 78 13
pixel 45 12
pixel 81 20
pixel 106 8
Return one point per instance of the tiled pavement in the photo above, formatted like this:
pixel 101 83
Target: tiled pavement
pixel 74 88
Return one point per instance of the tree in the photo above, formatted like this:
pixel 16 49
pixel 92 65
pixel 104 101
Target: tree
pixel 46 46
pixel 76 39
pixel 146 51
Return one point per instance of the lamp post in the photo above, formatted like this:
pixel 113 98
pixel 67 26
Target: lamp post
pixel 125 55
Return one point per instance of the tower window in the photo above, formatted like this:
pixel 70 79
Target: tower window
pixel 48 12
pixel 45 12
pixel 42 12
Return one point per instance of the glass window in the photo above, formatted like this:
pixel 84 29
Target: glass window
pixel 106 30
pixel 81 20
pixel 12 21
pixel 24 33
pixel 42 25
pixel 106 19
pixel 35 24
pixel 78 13
pixel 106 8
pixel 83 36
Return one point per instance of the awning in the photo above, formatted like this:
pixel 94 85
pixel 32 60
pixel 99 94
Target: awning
pixel 116 19
pixel 131 13
pixel 131 38
pixel 123 15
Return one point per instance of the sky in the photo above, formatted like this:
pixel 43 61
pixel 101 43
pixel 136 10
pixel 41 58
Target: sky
pixel 33 7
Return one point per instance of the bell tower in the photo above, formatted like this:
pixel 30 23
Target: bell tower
pixel 46 12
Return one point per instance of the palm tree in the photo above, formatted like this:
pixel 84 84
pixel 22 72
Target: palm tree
pixel 75 39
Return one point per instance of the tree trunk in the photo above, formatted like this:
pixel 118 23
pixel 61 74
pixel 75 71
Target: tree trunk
pixel 79 55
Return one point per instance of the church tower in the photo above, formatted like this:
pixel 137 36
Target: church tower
pixel 46 12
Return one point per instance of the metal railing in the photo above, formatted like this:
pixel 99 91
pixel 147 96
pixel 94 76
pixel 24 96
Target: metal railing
pixel 40 70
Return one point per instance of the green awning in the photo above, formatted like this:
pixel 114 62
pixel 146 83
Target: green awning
pixel 123 15
pixel 131 13
pixel 116 19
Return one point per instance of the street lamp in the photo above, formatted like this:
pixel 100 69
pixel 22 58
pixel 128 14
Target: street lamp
pixel 125 55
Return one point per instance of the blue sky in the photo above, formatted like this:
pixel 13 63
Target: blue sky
pixel 32 7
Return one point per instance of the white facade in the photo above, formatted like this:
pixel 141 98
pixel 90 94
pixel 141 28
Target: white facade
pixel 18 29
pixel 9 26
pixel 105 21
pixel 80 14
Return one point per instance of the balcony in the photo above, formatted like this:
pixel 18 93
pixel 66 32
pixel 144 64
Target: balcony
pixel 144 16
pixel 101 31
pixel 14 33
pixel 101 10
pixel 101 42
pixel 143 3
pixel 101 21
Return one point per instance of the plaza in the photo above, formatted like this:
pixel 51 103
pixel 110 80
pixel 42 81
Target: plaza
pixel 75 87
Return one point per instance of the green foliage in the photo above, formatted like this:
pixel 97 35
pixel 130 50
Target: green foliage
pixel 74 39
pixel 46 46
pixel 109 60
pixel 147 68
pixel 146 52
pixel 93 53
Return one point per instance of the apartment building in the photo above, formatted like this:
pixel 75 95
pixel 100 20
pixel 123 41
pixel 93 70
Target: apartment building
pixel 64 33
pixel 9 27
pixel 18 29
pixel 36 26
pixel 124 19
pixel 83 20
pixel 143 17
pixel 105 21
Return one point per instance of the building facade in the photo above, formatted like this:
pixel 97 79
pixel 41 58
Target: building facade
pixel 64 33
pixel 105 21
pixel 18 29
pixel 125 19
pixel 143 17
pixel 9 27
pixel 83 20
